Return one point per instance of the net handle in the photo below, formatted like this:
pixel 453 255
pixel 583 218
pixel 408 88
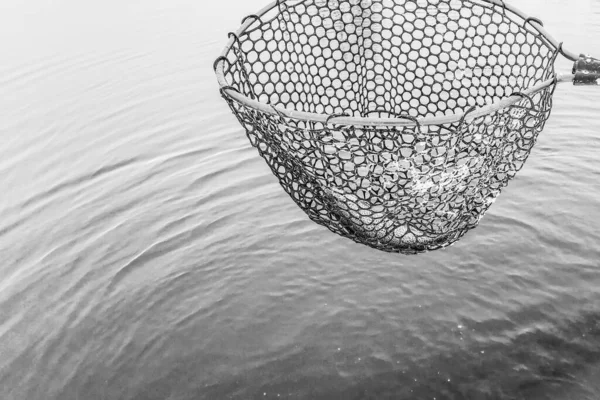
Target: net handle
pixel 324 118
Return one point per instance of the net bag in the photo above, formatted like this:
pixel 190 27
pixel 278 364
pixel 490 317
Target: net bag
pixel 394 123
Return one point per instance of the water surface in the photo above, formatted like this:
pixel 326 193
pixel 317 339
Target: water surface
pixel 148 253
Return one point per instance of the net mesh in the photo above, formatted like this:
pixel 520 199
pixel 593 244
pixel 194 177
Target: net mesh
pixel 401 188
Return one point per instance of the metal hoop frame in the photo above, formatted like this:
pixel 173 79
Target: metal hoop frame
pixel 250 20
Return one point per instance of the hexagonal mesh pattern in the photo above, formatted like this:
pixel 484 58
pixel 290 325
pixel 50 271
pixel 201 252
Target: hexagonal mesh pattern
pixel 404 188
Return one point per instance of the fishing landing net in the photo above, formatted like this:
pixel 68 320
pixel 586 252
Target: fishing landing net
pixel 394 123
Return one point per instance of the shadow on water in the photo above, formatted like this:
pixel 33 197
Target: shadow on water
pixel 557 362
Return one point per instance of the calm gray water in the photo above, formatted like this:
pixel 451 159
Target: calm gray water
pixel 148 253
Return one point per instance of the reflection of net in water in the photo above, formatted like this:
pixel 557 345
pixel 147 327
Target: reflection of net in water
pixel 394 123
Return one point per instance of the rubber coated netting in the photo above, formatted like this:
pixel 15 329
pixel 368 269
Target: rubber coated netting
pixel 405 189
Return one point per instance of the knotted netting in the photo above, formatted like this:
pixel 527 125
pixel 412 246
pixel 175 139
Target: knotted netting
pixel 394 123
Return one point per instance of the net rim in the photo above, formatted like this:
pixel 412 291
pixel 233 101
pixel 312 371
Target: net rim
pixel 506 101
